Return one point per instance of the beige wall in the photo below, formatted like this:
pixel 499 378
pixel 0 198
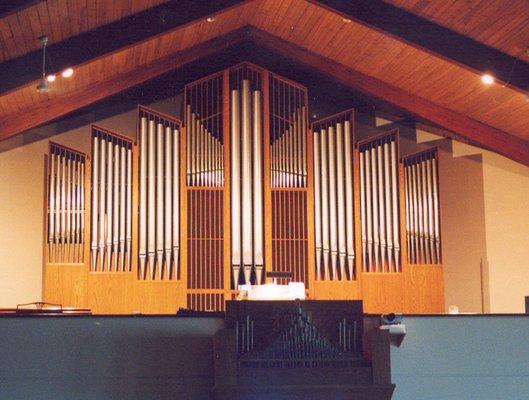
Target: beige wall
pixel 506 189
pixel 463 232
pixel 22 175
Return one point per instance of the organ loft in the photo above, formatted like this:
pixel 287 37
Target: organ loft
pixel 185 212
pixel 264 199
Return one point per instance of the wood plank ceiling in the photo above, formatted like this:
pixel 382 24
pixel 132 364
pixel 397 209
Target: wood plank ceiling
pixel 503 25
pixel 463 103
pixel 60 20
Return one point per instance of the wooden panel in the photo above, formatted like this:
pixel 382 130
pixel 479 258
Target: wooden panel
pixel 336 290
pixel 66 285
pixel 205 244
pixel 289 234
pixel 59 20
pixel 501 24
pixel 423 289
pixel 463 124
pixel 426 85
pixel 383 293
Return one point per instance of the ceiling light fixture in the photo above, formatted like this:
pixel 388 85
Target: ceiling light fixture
pixel 67 73
pixel 346 20
pixel 211 19
pixel 43 85
pixel 487 79
pixel 51 78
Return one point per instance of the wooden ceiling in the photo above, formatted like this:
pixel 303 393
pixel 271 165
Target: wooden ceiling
pixel 421 82
pixel 501 24
pixel 60 20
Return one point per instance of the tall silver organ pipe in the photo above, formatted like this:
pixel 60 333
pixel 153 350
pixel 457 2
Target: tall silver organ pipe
pixel 235 187
pixel 379 203
pixel 333 190
pixel 258 187
pixel 159 230
pixel 422 207
pixel 111 201
pixel 317 205
pixel 142 234
pixel 247 219
pixel 66 206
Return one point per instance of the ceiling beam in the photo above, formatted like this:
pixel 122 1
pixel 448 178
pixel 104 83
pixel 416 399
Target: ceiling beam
pixel 426 35
pixel 13 6
pixel 108 38
pixel 464 127
pixel 62 105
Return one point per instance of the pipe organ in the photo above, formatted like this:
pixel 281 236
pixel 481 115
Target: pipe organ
pixel 111 210
pixel 159 200
pixel 206 136
pixel 288 134
pixel 422 208
pixel 379 198
pixel 246 140
pixel 66 205
pixel 244 190
pixel 333 143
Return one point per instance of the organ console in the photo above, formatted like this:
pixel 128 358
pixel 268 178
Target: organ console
pixel 242 188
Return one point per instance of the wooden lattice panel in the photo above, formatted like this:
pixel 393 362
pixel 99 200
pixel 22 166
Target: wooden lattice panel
pixel 289 234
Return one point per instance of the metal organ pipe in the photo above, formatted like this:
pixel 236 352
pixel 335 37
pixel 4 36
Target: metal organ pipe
pixel 159 195
pixel 436 211
pixel 325 204
pixel 423 207
pixel 376 238
pixel 317 203
pixel 109 213
pixel 257 187
pixel 168 202
pixel 117 208
pixel 128 224
pixel 65 208
pixel 381 209
pixel 159 202
pixel 246 167
pixel 111 201
pixel 333 176
pixel 176 201
pixel 235 187
pixel 102 197
pixel 387 201
pixel 333 228
pixel 51 212
pixel 151 193
pixel 123 187
pixel 394 207
pixel 363 209
pixel 340 182
pixel 143 198
pixel 349 202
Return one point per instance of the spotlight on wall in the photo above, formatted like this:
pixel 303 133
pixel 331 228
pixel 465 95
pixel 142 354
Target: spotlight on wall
pixel 51 78
pixel 67 73
pixel 487 79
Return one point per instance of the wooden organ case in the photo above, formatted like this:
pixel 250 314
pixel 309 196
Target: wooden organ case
pixel 242 188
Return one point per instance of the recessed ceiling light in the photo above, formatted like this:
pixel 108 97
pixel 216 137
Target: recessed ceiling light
pixel 211 19
pixel 346 20
pixel 68 72
pixel 487 79
pixel 51 78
